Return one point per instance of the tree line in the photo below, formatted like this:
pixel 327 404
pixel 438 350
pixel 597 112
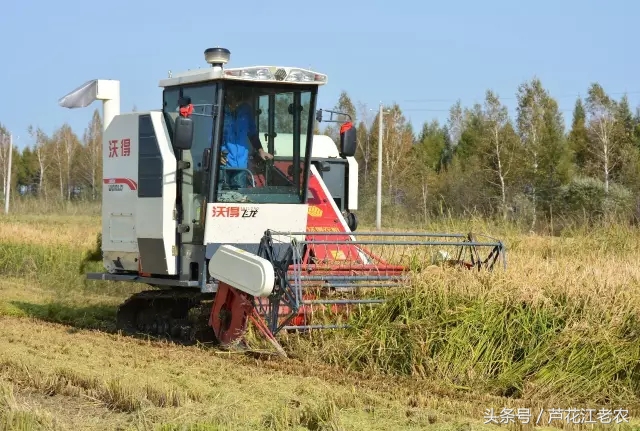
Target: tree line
pixel 480 162
pixel 58 167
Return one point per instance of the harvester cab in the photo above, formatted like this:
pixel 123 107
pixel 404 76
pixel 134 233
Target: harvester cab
pixel 226 203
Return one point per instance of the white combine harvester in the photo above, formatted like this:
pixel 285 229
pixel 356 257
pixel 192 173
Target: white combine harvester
pixel 239 238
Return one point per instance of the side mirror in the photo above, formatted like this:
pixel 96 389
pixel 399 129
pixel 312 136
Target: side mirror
pixel 183 133
pixel 348 140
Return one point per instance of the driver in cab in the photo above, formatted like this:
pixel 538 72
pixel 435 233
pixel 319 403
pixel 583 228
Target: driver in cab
pixel 240 136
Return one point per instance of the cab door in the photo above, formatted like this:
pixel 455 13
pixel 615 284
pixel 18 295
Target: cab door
pixel 193 179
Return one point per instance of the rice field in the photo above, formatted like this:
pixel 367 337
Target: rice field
pixel 559 329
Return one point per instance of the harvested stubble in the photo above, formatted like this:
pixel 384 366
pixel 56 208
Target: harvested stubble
pixel 16 417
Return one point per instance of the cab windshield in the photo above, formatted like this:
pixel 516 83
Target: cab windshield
pixel 263 142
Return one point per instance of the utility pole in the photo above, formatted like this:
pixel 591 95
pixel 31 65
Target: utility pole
pixel 379 191
pixel 8 188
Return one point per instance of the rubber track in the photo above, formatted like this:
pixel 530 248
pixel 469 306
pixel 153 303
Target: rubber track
pixel 178 315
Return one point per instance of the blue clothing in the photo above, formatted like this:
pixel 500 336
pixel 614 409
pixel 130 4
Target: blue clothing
pixel 236 130
pixel 235 135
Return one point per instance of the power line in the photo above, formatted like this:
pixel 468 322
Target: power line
pixel 511 109
pixel 564 96
pixel 448 110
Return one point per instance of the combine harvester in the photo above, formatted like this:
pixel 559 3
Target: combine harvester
pixel 270 250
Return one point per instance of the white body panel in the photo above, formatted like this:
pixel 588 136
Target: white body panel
pixel 236 223
pixel 125 216
pixel 120 192
pixel 148 218
pixel 352 187
pixel 243 270
pixel 293 75
pixel 169 191
pixel 191 76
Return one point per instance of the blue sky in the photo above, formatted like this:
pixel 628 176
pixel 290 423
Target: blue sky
pixel 422 55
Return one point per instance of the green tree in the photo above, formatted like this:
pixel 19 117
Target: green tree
pixel 446 156
pixel 636 128
pixel 578 142
pixel 431 145
pixel 555 158
pixel 472 131
pixel 26 169
pixel 345 105
pixel 627 171
pixel 624 128
pixel 364 150
pixel 533 102
pixel 91 155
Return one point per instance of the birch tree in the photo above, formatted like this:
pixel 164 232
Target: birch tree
pixel 65 145
pixel 4 158
pixel 499 154
pixel 4 161
pixel 397 141
pixel 530 120
pixel 601 109
pixel 41 140
pixel 455 123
